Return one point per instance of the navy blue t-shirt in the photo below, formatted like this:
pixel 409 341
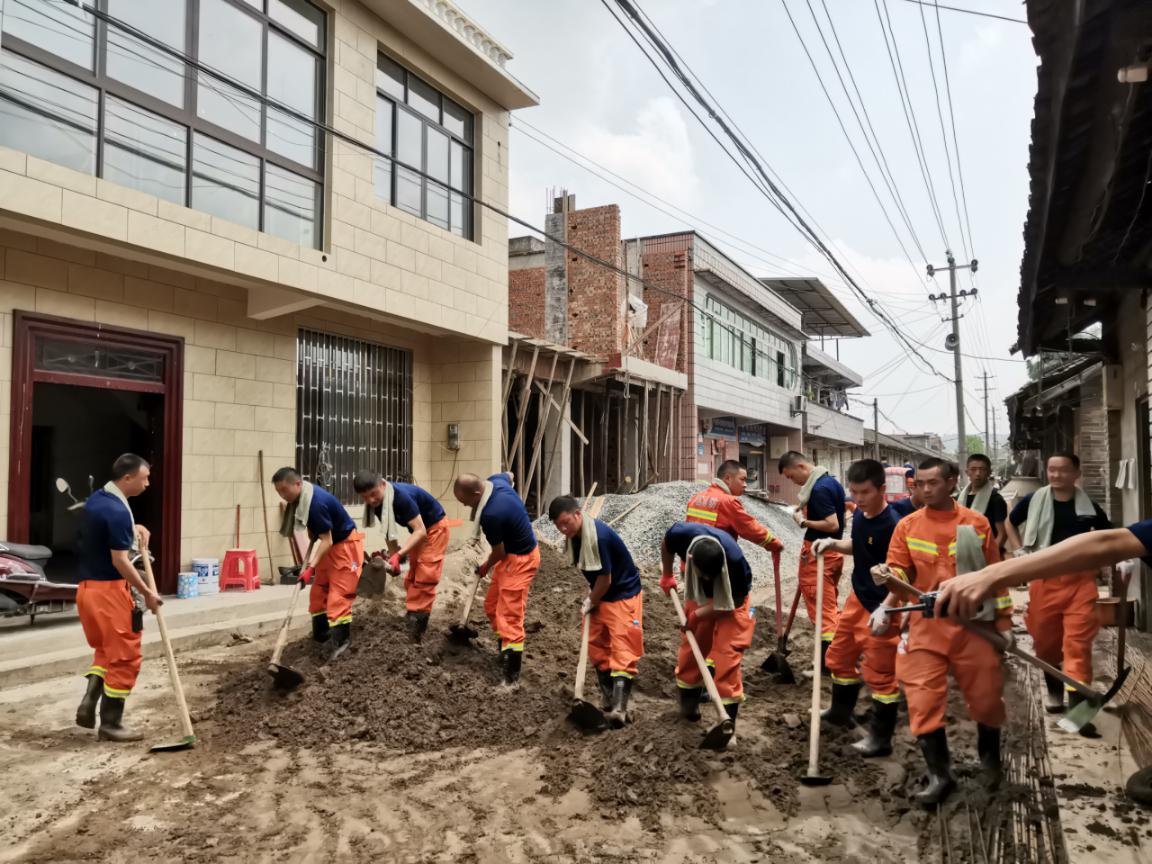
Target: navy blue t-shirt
pixel 681 535
pixel 997 510
pixel 1065 521
pixel 107 527
pixel 870 547
pixel 410 501
pixel 616 560
pixel 827 498
pixel 1143 532
pixel 504 519
pixel 903 507
pixel 328 514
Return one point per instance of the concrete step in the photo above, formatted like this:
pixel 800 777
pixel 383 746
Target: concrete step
pixel 36 654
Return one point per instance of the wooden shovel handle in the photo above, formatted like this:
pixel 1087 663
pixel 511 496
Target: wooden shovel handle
pixel 467 613
pixel 582 666
pixel 177 688
pixel 282 636
pixel 705 673
pixel 814 720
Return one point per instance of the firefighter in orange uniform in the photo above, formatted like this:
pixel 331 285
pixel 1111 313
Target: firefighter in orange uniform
pixel 719 506
pixel 928 548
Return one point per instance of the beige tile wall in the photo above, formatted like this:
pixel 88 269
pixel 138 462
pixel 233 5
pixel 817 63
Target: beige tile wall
pixel 240 380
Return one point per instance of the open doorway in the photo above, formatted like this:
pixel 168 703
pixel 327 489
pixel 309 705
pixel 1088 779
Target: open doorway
pixel 77 432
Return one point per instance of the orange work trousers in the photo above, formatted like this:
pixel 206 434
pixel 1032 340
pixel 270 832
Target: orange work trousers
pixel 425 564
pixel 923 660
pixel 1062 621
pixel 616 636
pixel 855 654
pixel 507 597
pixel 723 641
pixel 833 569
pixel 106 615
pixel 337 576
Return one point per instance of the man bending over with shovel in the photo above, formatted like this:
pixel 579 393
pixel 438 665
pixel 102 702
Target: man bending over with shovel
pixel 614 605
pixel 333 567
pixel 928 548
pixel 717 582
pixel 396 504
pixel 858 655
pixel 499 514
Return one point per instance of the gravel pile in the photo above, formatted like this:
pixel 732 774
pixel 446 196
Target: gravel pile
pixel 664 503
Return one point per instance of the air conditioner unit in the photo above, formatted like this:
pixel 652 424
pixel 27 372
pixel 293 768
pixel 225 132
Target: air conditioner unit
pixel 799 404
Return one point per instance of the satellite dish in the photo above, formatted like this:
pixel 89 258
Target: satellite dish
pixel 950 341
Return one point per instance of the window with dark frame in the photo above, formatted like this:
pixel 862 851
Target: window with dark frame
pixel 117 99
pixel 353 411
pixel 421 127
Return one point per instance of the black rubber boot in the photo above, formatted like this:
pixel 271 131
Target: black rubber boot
pixel 934 746
pixel 112 727
pixel 824 656
pixel 86 713
pixel 604 679
pixel 1054 699
pixel 321 629
pixel 878 742
pixel 341 639
pixel 690 703
pixel 1088 730
pixel 621 693
pixel 733 708
pixel 988 746
pixel 512 662
pixel 843 703
pixel 417 623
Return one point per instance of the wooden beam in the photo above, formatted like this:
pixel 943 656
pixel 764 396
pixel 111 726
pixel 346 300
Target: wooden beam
pixel 541 422
pixel 575 428
pixel 506 390
pixel 528 378
pixel 565 400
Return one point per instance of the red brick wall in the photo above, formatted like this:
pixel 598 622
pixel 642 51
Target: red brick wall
pixel 526 301
pixel 596 320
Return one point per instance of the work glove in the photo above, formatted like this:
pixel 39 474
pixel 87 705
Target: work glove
pixel 1127 569
pixel 878 623
pixel 881 573
pixel 482 570
pixel 307 575
pixel 798 516
pixel 774 546
pixel 821 547
pixel 587 606
pixel 690 621
pixel 667 583
pixel 1020 553
pixel 379 553
pixel 394 565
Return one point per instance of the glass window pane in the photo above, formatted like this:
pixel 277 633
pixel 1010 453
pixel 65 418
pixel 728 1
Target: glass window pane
pixel 225 182
pixel 461 176
pixel 460 215
pixel 409 136
pixel 303 19
pixel 139 64
pixel 226 106
pixel 57 27
pixel 408 186
pixel 292 138
pixel 424 98
pixel 290 206
pixel 436 163
pixel 47 114
pixel 438 205
pixel 230 42
pixel 457 120
pixel 383 167
pixel 292 75
pixel 390 77
pixel 144 151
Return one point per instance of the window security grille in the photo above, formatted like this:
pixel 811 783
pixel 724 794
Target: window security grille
pixel 353 411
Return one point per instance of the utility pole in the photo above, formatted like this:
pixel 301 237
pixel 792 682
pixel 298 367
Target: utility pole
pixel 994 440
pixel 952 341
pixel 987 439
pixel 876 429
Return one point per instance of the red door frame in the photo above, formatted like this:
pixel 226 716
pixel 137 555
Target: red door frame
pixel 28 328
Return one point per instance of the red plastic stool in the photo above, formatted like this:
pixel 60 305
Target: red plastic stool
pixel 241 569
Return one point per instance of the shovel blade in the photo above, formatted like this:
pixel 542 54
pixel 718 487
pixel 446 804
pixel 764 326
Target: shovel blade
pixel 815 779
pixel 284 677
pixel 185 744
pixel 461 634
pixel 1077 718
pixel 587 716
pixel 718 736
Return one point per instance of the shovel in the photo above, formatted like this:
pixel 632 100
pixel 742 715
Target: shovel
pixel 584 714
pixel 285 677
pixel 813 777
pixel 777 662
pixel 718 736
pixel 462 634
pixel 189 740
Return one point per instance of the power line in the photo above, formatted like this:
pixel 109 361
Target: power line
pixel 971 12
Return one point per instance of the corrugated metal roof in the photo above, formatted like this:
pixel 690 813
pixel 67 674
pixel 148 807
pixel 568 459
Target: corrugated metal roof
pixel 822 312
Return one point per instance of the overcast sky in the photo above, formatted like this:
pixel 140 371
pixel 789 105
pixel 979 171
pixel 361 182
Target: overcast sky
pixel 601 97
